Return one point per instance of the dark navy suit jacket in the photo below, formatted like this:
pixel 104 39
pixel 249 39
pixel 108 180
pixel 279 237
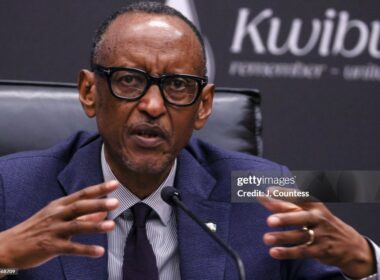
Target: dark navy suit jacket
pixel 30 180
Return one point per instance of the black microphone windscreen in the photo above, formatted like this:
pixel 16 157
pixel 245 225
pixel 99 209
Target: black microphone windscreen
pixel 167 194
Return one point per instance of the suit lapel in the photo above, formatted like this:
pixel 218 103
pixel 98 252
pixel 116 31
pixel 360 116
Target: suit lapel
pixel 84 170
pixel 200 256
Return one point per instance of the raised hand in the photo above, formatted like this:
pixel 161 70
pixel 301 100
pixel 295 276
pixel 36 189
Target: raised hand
pixel 325 237
pixel 47 233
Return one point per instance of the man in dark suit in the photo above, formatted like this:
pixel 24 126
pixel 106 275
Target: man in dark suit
pixel 148 90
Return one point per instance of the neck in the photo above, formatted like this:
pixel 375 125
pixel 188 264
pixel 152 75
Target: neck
pixel 141 185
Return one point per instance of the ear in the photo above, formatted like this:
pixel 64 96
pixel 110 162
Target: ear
pixel 205 106
pixel 87 92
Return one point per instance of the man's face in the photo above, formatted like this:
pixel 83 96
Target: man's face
pixel 145 136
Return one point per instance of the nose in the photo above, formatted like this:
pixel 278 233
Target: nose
pixel 152 103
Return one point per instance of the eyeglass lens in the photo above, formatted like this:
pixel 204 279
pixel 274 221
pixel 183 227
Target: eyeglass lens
pixel 132 84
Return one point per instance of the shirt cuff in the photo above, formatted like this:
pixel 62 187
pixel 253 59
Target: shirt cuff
pixel 376 250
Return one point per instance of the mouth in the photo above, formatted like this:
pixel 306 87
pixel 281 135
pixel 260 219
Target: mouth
pixel 148 136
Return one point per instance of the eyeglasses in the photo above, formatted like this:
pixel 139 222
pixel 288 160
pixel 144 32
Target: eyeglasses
pixel 131 84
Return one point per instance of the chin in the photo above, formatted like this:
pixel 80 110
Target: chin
pixel 149 166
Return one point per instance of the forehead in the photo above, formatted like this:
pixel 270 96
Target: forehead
pixel 149 39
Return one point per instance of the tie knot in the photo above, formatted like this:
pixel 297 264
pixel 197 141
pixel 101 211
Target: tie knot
pixel 140 213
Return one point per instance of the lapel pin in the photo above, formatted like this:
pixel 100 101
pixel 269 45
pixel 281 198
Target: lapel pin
pixel 211 226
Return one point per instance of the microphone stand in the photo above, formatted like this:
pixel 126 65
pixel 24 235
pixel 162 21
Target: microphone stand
pixel 171 195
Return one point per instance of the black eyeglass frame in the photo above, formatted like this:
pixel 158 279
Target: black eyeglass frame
pixel 109 71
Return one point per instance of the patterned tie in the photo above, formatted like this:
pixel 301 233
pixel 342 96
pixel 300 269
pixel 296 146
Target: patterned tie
pixel 139 259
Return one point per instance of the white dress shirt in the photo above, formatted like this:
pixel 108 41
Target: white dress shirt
pixel 161 228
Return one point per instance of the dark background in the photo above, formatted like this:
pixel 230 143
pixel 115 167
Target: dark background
pixel 328 123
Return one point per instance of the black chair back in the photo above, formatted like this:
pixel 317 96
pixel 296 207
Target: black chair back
pixel 36 115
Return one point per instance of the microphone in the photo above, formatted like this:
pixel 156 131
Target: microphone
pixel 172 196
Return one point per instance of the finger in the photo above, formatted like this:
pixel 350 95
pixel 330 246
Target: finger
pixel 299 218
pixel 77 249
pixel 296 252
pixel 96 217
pixel 276 205
pixel 291 237
pixel 82 227
pixel 89 206
pixel 99 190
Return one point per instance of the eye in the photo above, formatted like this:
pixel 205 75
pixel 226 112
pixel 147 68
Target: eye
pixel 128 79
pixel 178 84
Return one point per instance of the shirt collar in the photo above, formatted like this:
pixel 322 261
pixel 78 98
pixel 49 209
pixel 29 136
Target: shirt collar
pixel 128 199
